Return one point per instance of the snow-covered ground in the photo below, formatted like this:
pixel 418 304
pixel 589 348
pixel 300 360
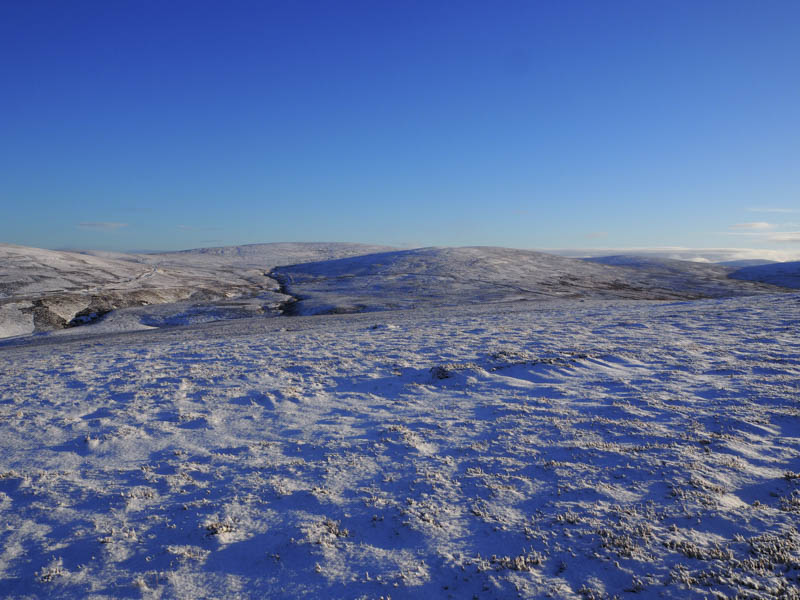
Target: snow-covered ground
pixel 565 449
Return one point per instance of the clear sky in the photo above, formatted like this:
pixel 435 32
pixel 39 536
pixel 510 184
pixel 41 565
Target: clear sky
pixel 531 124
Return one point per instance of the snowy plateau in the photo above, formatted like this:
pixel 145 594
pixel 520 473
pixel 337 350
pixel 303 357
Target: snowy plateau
pixel 347 421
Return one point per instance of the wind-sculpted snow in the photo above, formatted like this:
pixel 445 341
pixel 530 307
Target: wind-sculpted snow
pixel 450 276
pixel 786 274
pixel 572 450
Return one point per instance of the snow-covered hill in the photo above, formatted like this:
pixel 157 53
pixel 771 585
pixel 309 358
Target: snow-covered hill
pixel 49 290
pixel 267 256
pixel 30 271
pixel 698 275
pixel 786 274
pixel 43 290
pixel 663 265
pixel 450 276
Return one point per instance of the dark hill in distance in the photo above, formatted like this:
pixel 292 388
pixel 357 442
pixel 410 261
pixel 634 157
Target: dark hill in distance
pixel 785 274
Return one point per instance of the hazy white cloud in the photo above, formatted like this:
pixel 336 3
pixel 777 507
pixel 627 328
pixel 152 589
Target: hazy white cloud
pixel 765 232
pixel 102 226
pixel 759 225
pixel 684 253
pixel 784 236
pixel 766 209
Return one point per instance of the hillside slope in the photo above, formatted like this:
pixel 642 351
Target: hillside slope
pixel 786 274
pixel 43 290
pixel 450 276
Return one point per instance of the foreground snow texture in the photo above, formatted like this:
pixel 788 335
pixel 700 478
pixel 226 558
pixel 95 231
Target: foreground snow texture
pixel 568 450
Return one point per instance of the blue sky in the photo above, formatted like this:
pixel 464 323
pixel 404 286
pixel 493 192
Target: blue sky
pixel 166 125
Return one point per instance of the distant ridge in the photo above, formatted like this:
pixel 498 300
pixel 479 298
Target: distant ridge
pixel 269 255
pixel 753 262
pixel 785 274
pixel 43 290
pixel 449 276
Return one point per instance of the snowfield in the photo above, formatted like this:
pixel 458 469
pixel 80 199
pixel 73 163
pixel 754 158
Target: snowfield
pixel 560 449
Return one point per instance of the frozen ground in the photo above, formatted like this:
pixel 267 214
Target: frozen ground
pixel 565 449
